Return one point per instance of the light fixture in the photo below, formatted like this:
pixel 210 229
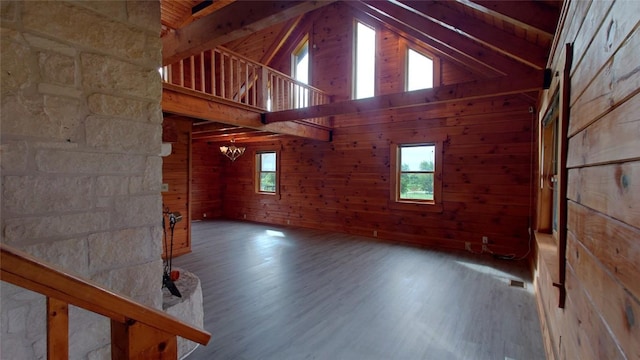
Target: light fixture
pixel 232 152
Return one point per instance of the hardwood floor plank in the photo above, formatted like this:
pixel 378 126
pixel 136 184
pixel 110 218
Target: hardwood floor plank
pixel 273 292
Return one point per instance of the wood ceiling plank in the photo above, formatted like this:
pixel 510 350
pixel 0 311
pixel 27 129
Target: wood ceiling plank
pixel 534 16
pixel 442 94
pixel 201 106
pixel 233 21
pixel 503 42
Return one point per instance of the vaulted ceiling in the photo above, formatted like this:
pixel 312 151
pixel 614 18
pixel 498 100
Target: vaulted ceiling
pixel 490 38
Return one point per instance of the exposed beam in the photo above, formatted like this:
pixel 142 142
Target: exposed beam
pixel 211 8
pixel 498 40
pixel 280 40
pixel 465 91
pixel 534 16
pixel 446 37
pixel 439 49
pixel 201 106
pixel 232 22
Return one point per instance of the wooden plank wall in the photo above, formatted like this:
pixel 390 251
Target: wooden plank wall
pixel 600 320
pixel 344 185
pixel 176 173
pixel 206 184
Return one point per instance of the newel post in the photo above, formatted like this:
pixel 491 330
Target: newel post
pixel 135 340
pixel 57 329
pixel 263 87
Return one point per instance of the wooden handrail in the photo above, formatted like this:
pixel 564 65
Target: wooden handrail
pixel 137 331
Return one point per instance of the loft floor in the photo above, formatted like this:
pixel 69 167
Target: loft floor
pixel 283 293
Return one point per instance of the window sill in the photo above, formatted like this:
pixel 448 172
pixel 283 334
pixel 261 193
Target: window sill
pixel 548 253
pixel 416 206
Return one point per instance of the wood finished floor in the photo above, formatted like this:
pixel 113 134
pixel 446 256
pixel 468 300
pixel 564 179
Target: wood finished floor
pixel 283 293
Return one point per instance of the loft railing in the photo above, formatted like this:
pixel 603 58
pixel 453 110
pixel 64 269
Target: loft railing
pixel 227 75
pixel 137 331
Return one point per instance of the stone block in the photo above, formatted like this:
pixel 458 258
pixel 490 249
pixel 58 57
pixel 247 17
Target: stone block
pixel 140 210
pixel 49 45
pixel 16 319
pixel 126 108
pixel 62 161
pixel 19 67
pixel 54 118
pixel 141 282
pixel 8 11
pixel 84 27
pixel 57 68
pixel 59 90
pixel 71 255
pixel 104 74
pixel 103 353
pixel 15 347
pixel 145 14
pixel 113 249
pixel 87 331
pixel 109 8
pixel 27 231
pixel 37 194
pixel 153 174
pixel 14 156
pixel 111 185
pixel 121 135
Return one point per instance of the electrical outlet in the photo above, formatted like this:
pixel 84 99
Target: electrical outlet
pixel 375 233
pixel 485 240
pixel 204 215
pixel 288 222
pixel 467 246
pixel 245 216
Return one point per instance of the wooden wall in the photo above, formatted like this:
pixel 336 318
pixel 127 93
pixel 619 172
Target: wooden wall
pixel 344 185
pixel 601 317
pixel 206 183
pixel 176 173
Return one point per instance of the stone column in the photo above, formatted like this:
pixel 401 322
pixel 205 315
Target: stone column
pixel 80 138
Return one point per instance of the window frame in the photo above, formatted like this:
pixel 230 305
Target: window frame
pixel 259 172
pixel 395 202
pixel 354 67
pixel 436 71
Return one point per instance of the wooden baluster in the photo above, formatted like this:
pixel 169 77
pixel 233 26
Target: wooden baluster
pixel 182 72
pixel 239 80
pixel 231 83
pixel 213 72
pixel 202 74
pixel 222 76
pixel 246 83
pixel 192 68
pixel 57 329
pixel 134 340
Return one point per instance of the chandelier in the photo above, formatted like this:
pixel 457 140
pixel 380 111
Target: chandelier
pixel 232 152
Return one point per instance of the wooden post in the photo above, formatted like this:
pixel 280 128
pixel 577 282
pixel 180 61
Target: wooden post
pixel 262 87
pixel 57 329
pixel 134 340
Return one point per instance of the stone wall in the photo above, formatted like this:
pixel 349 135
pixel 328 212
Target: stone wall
pixel 80 135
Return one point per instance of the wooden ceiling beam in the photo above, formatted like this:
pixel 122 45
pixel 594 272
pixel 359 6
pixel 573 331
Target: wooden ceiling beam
pixel 501 41
pixel 443 51
pixel 443 94
pixel 448 38
pixel 229 23
pixel 201 106
pixel 280 40
pixel 535 16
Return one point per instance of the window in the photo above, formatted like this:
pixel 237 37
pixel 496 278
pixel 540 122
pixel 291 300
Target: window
pixel 419 71
pixel 417 166
pixel 549 155
pixel 365 61
pixel 266 172
pixel 300 72
pixel 416 178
